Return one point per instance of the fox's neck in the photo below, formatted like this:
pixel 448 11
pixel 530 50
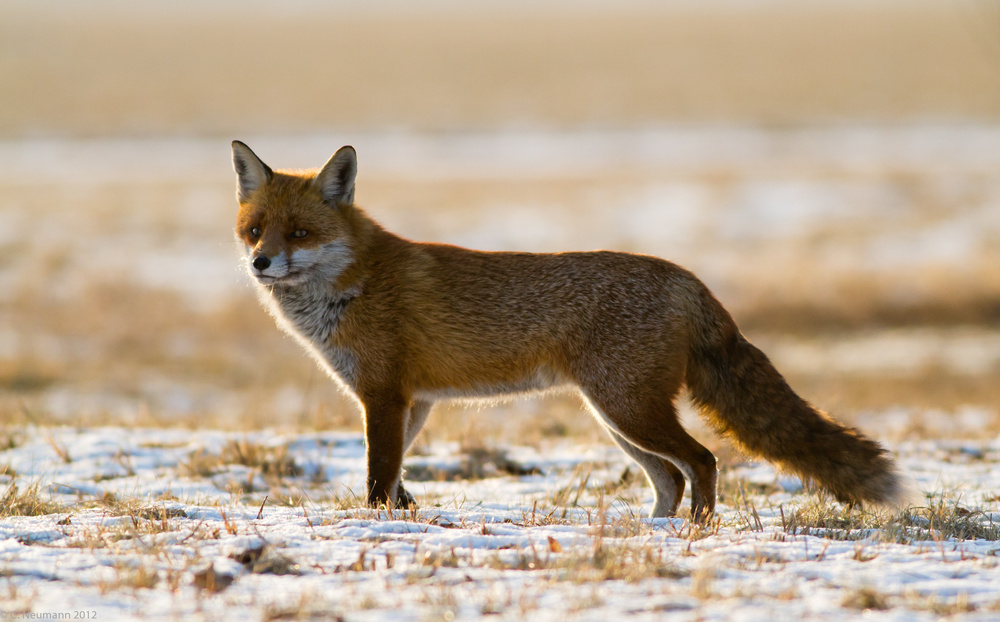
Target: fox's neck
pixel 314 308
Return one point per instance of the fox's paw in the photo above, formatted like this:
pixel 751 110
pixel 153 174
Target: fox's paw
pixel 404 500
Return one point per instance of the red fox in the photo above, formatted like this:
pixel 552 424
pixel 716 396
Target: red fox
pixel 403 324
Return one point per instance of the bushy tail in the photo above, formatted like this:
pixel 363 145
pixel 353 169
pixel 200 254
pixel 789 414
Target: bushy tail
pixel 744 397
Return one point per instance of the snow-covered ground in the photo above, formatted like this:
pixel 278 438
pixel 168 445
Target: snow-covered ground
pixel 173 524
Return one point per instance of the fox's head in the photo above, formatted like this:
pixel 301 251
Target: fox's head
pixel 293 225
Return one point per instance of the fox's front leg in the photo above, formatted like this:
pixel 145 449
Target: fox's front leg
pixel 385 435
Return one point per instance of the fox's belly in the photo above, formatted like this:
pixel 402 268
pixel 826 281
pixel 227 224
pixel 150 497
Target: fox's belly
pixel 541 379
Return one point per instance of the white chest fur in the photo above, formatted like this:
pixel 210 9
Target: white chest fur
pixel 312 314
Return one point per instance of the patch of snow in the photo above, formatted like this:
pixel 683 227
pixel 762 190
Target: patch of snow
pixel 474 550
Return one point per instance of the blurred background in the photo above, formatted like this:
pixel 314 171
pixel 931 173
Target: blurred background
pixel 830 168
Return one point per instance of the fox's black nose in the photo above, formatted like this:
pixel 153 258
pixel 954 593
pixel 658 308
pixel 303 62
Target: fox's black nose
pixel 261 262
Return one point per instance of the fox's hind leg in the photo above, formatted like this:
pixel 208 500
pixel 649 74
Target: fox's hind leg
pixel 666 479
pixel 646 418
pixel 415 420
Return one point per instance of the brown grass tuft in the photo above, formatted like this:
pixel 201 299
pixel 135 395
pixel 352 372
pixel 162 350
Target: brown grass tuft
pixel 27 502
pixel 865 598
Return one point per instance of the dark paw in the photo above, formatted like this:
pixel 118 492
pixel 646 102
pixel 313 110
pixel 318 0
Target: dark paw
pixel 702 516
pixel 404 500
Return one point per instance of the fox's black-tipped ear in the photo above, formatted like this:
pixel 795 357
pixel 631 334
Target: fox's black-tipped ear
pixel 251 172
pixel 335 180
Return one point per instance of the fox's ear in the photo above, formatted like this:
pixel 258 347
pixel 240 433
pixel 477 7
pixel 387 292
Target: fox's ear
pixel 251 172
pixel 335 180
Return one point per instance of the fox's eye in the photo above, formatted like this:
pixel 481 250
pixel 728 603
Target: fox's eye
pixel 300 233
pixel 255 232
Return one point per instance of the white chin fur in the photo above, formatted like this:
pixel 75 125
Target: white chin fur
pixel 327 261
pixel 292 279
